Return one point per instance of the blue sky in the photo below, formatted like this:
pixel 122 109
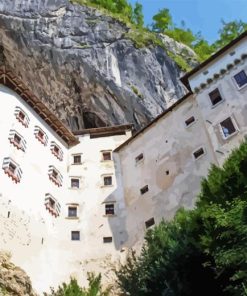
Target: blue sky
pixel 199 15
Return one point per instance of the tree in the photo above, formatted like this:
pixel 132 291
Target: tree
pixel 162 21
pixel 138 17
pixel 228 32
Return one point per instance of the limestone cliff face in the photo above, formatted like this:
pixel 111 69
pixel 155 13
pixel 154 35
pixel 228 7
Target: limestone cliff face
pixel 80 63
pixel 13 280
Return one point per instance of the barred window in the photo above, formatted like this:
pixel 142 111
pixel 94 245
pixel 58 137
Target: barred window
pixel 17 140
pixel 52 205
pixel 12 169
pixel 40 135
pixel 21 116
pixel 240 78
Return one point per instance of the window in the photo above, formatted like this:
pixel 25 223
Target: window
pixel 144 189
pixel 149 223
pixel 12 169
pixel 17 140
pixel 77 159
pixel 21 116
pixel 240 78
pixel 75 235
pixel 109 209
pixel 55 176
pixel 40 135
pixel 72 212
pixel 198 153
pixel 56 151
pixel 227 127
pixel 189 121
pixel 139 158
pixel 107 239
pixel 75 183
pixel 51 205
pixel 106 155
pixel 107 180
pixel 215 96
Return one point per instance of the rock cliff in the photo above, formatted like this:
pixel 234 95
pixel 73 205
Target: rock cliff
pixel 81 63
pixel 13 280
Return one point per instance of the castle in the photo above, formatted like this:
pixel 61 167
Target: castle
pixel 75 202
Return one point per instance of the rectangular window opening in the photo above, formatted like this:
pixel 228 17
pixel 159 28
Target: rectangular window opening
pixel 144 189
pixel 77 159
pixel 75 183
pixel 108 181
pixel 72 211
pixel 149 223
pixel 75 235
pixel 241 78
pixel 189 121
pixel 139 158
pixel 227 127
pixel 106 155
pixel 215 96
pixel 107 239
pixel 109 209
pixel 17 139
pixel 12 167
pixel 198 153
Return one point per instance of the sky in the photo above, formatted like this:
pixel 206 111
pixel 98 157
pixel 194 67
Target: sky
pixel 199 15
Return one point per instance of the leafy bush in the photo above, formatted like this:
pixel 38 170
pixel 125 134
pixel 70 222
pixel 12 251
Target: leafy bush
pixel 73 289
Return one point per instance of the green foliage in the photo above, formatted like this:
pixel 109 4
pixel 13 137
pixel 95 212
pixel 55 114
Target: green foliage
pixel 228 32
pixel 136 91
pixel 200 252
pixel 73 289
pixel 162 21
pixel 180 61
pixel 138 17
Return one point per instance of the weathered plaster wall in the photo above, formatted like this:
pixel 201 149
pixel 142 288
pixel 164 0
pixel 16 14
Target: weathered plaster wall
pixel 168 168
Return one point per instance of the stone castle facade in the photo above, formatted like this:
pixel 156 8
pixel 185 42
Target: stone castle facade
pixel 75 202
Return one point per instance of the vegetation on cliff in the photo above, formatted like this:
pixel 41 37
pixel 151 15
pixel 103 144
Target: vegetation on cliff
pixel 163 23
pixel 202 251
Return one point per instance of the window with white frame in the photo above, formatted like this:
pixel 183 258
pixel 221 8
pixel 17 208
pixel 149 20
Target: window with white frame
pixel 240 79
pixel 21 116
pixel 55 176
pixel 227 127
pixel 40 135
pixel 107 180
pixel 12 169
pixel 77 159
pixel 215 96
pixel 75 235
pixel 56 150
pixel 198 153
pixel 106 155
pixel 52 205
pixel 75 183
pixel 17 140
pixel 72 211
pixel 109 209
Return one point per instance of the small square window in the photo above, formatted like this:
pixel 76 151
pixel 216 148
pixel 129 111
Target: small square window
pixel 77 159
pixel 144 189
pixel 227 127
pixel 109 209
pixel 40 134
pixel 72 211
pixel 106 155
pixel 240 78
pixel 139 158
pixel 215 96
pixel 149 223
pixel 75 235
pixel 108 181
pixel 51 203
pixel 56 149
pixel 198 153
pixel 54 174
pixel 75 183
pixel 189 121
pixel 107 239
